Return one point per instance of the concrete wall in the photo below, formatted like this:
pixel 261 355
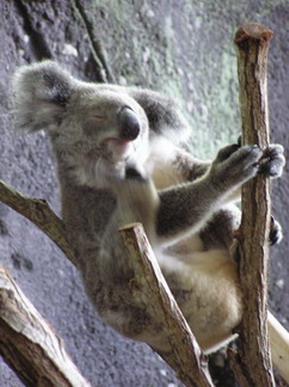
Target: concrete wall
pixel 181 47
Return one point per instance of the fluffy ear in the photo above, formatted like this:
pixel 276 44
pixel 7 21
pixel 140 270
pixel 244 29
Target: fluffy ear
pixel 40 93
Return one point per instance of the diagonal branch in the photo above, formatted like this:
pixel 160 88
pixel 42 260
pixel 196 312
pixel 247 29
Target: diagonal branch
pixel 186 357
pixel 39 213
pixel 29 345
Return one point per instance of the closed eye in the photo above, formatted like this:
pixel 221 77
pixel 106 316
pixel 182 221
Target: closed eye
pixel 99 117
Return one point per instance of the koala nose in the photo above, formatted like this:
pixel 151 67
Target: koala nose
pixel 129 124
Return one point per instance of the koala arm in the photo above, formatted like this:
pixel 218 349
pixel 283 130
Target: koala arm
pixel 191 169
pixel 184 209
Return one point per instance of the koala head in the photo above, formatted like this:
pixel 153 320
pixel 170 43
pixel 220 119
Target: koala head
pixel 97 130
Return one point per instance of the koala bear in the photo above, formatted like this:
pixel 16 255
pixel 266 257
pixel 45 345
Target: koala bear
pixel 121 158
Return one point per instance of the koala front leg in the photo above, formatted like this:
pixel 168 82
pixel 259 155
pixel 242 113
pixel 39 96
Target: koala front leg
pixel 184 209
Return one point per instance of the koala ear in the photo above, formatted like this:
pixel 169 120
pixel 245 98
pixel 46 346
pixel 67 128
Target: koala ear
pixel 41 92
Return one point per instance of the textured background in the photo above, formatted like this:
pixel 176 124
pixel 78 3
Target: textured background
pixel 181 47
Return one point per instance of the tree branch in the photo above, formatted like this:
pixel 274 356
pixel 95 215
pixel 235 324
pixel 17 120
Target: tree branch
pixel 186 357
pixel 39 213
pixel 28 344
pixel 185 350
pixel 254 360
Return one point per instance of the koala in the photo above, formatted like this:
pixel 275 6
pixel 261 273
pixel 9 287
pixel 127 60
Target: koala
pixel 121 158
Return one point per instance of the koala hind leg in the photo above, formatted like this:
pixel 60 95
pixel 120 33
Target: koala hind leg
pixel 219 230
pixel 206 288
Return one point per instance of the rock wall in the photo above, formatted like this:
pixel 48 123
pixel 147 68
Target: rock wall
pixel 180 47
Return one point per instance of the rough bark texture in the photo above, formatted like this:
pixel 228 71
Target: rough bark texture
pixel 254 360
pixel 39 213
pixel 185 357
pixel 29 345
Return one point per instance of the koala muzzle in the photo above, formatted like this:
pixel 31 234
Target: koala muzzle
pixel 129 124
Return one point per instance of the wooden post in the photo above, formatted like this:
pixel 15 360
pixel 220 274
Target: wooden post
pixel 254 358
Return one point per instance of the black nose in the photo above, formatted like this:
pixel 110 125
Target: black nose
pixel 129 124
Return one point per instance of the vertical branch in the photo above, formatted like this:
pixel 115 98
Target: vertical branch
pixel 254 356
pixel 185 357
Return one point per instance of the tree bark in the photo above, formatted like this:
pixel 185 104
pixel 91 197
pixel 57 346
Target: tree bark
pixel 254 360
pixel 29 345
pixel 185 357
pixel 39 213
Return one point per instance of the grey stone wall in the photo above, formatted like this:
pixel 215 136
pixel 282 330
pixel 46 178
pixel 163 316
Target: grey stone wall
pixel 181 47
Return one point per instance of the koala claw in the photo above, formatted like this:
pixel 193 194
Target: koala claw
pixel 239 141
pixel 272 162
pixel 226 152
pixel 133 174
pixel 276 234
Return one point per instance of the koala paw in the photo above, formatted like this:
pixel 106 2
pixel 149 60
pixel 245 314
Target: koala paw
pixel 272 162
pixel 233 165
pixel 276 234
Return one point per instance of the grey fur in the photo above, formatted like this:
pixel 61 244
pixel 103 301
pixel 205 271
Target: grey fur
pixel 107 182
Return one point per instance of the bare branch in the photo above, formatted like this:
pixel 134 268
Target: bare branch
pixel 39 213
pixel 28 343
pixel 254 359
pixel 186 357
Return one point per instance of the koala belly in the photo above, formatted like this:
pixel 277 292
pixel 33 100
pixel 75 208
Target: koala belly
pixel 205 285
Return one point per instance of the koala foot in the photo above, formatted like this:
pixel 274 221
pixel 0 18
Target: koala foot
pixel 275 237
pixel 276 234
